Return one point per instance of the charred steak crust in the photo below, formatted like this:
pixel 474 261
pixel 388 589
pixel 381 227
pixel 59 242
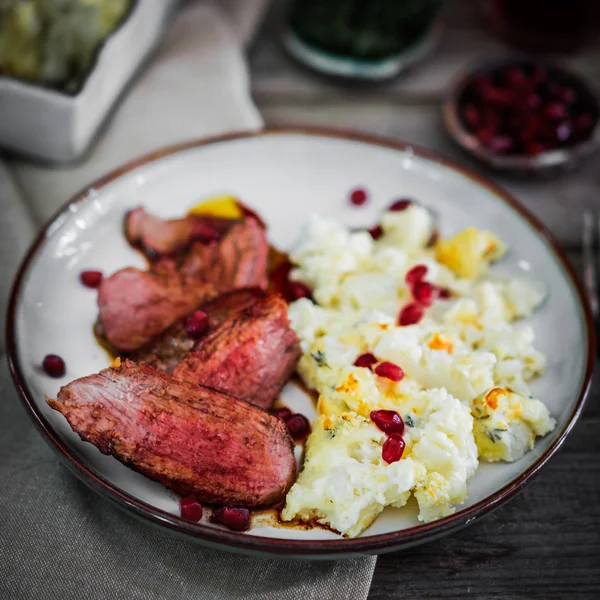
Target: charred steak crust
pixel 167 350
pixel 193 440
pixel 251 355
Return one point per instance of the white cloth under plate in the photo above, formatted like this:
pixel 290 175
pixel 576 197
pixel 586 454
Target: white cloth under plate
pixel 59 541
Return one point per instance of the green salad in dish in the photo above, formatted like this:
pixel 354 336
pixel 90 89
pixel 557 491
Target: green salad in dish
pixel 53 42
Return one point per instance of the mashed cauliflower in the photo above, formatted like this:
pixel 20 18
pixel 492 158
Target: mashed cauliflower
pixel 464 396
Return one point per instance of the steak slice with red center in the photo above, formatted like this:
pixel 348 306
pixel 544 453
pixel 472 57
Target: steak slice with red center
pixel 195 441
pixel 135 306
pixel 164 237
pixel 167 350
pixel 251 355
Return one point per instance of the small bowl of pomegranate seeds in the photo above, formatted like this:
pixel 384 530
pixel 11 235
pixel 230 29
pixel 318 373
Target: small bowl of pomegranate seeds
pixel 523 117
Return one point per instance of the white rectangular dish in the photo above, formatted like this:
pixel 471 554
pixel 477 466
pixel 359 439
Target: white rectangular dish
pixel 53 126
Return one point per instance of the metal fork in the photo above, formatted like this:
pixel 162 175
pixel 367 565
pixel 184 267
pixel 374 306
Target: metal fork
pixel 591 260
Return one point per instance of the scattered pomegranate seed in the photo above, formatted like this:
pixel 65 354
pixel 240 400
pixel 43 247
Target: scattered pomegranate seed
pixel 358 196
pixel 393 448
pixel 424 293
pixel 390 371
pixel 283 413
pixel 196 325
pixel 91 279
pixel 190 509
pixel 415 274
pixel 204 233
pixel 557 110
pixel 298 426
pixel 485 135
pixel 410 315
pixel 376 232
pixel 237 519
pixel 515 77
pixel 295 290
pixel 501 144
pixel 471 116
pixel 400 205
pixel 564 131
pixel 389 421
pixel 54 365
pixel 366 360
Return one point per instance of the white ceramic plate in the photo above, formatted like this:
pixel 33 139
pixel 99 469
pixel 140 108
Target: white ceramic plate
pixel 285 175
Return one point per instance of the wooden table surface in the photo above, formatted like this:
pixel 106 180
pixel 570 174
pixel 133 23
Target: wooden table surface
pixel 545 543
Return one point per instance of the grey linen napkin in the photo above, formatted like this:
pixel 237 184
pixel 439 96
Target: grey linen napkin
pixel 59 540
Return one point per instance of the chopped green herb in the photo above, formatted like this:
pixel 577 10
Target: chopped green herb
pixel 408 420
pixel 319 358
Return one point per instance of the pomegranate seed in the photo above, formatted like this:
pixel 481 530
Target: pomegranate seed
pixel 485 135
pixel 539 75
pixel 583 122
pixel 190 509
pixel 556 110
pixel 564 131
pixel 400 205
pixel 295 290
pixel 533 101
pixel 393 448
pixel 416 274
pixel 366 360
pixel 389 371
pixel 196 325
pixel 283 413
pixel 424 293
pixel 237 519
pixel 298 426
pixel 389 421
pixel 358 196
pixel 444 293
pixel 410 315
pixel 54 365
pixel 204 233
pixel 91 279
pixel 566 95
pixel 471 116
pixel 376 232
pixel 515 77
pixel 501 144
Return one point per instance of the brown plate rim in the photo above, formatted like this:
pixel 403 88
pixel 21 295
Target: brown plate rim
pixel 338 548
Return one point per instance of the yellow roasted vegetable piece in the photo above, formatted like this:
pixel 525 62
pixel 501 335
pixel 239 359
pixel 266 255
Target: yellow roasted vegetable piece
pixel 469 252
pixel 225 207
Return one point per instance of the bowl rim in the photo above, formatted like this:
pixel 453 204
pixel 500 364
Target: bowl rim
pixel 58 93
pixel 518 162
pixel 338 548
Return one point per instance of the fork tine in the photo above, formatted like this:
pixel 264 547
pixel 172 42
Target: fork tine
pixel 590 262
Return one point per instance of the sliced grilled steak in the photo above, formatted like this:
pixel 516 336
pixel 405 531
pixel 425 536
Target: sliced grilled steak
pixel 135 306
pixel 193 440
pixel 238 259
pixel 158 237
pixel 167 350
pixel 251 355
